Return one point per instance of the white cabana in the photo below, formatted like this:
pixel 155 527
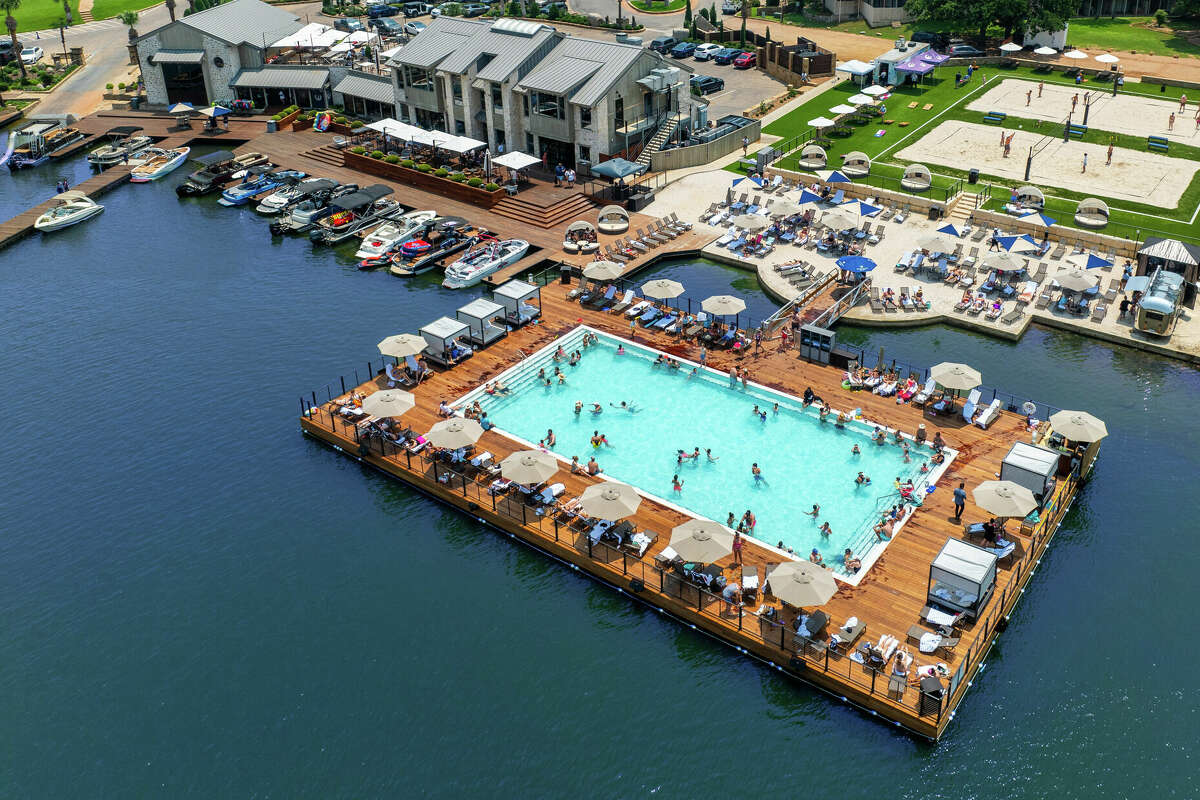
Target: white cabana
pixel 917 178
pixel 1030 466
pixel 1030 196
pixel 442 339
pixel 362 37
pixel 856 164
pixel 515 159
pixel 313 35
pixel 962 577
pixel 613 220
pixel 813 156
pixel 479 316
pixel 1092 213
pixel 515 296
pixel 856 68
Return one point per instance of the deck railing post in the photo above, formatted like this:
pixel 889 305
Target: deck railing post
pixel 873 674
pixel 827 659
pixel 493 500
pixel 555 524
pixel 624 563
pixel 782 632
pixel 589 541
pixel 435 474
pixel 662 581
pixel 342 378
pixel 523 518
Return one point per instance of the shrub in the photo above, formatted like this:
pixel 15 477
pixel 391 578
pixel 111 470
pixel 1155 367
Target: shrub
pixel 392 158
pixel 491 187
pixel 458 177
pixel 441 172
pixel 339 119
pixel 121 86
pixel 1160 17
pixel 358 150
pixel 47 80
pixel 476 182
pixel 108 87
pixel 408 162
pixel 376 154
pixel 277 117
pixel 424 168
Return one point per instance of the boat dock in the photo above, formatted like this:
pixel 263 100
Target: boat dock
pixel 21 225
pixel 889 597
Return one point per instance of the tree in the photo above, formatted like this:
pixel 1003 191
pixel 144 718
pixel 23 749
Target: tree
pixel 171 9
pixel 1011 15
pixel 687 13
pixel 130 18
pixel 745 15
pixel 10 22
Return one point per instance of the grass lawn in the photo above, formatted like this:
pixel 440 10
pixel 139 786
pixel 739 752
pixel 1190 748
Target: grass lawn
pixel 40 15
pixel 1126 217
pixel 1129 33
pixel 657 5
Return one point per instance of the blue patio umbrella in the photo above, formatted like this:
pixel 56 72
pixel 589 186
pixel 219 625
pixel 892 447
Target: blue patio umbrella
pixel 1092 261
pixel 618 168
pixel 950 229
pixel 834 176
pixel 808 197
pixel 858 264
pixel 752 179
pixel 864 209
pixel 1039 218
pixel 1009 242
pixel 181 108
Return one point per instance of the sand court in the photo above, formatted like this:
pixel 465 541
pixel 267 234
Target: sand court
pixel 1135 115
pixel 1134 175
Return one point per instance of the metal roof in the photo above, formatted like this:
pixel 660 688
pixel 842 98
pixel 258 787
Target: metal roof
pixel 1171 250
pixel 367 194
pixel 371 87
pixel 177 57
pixel 614 59
pixel 517 290
pixel 481 309
pixel 444 329
pixel 560 77
pixel 441 37
pixel 281 77
pixel 508 46
pixel 244 22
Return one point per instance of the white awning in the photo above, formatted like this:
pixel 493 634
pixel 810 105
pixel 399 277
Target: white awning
pixel 312 35
pixel 965 560
pixel 515 159
pixel 855 67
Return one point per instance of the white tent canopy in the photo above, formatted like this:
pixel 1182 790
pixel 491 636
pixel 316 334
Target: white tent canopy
pixel 313 35
pixel 411 133
pixel 855 67
pixel 515 159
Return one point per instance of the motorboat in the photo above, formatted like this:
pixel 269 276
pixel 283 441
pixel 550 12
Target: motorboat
pixel 143 156
pixel 121 145
pixel 160 166
pixel 304 215
pixel 445 237
pixel 61 142
pixel 390 234
pixel 29 144
pixel 217 169
pixel 255 183
pixel 482 260
pixel 353 213
pixel 288 196
pixel 70 208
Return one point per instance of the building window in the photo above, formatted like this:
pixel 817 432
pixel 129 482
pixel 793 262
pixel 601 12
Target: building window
pixel 525 104
pixel 585 153
pixel 460 128
pixel 549 105
pixel 585 118
pixel 497 97
pixel 456 90
pixel 529 148
pixel 619 112
pixel 419 78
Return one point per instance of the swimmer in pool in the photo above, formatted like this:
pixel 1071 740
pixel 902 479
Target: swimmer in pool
pixel 561 379
pixel 599 438
pixel 775 410
pixel 825 529
pixel 692 374
pixel 854 451
pixel 762 416
pixel 711 457
pixel 620 349
pixel 924 466
pixel 676 484
pixel 757 473
pixel 816 510
pixel 626 406
pixel 578 407
pixel 862 480
pixel 907 458
pixel 756 412
pixel 597 408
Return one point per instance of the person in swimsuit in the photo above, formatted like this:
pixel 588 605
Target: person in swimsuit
pixel 826 530
pixel 815 512
pixel 737 548
pixel 676 484
pixel 757 473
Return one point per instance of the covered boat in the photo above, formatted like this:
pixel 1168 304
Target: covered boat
pixel 70 208
pixel 61 142
pixel 305 214
pixel 288 196
pixel 29 144
pixel 122 143
pixel 216 169
pixel 445 237
pixel 160 166
pixel 256 184
pixel 353 213
pixel 387 236
pixel 484 259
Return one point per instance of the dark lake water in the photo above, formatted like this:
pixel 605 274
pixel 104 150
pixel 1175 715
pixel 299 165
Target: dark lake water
pixel 199 602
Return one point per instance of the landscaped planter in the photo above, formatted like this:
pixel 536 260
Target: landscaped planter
pixel 334 127
pixel 477 196
pixel 286 121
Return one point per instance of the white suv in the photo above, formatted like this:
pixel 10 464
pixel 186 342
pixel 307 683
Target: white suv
pixel 706 51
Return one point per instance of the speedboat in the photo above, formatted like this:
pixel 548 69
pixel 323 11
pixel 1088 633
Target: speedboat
pixel 70 208
pixel 122 144
pixel 305 214
pixel 445 237
pixel 160 166
pixel 381 240
pixel 484 259
pixel 253 185
pixel 217 169
pixel 353 213
pixel 288 196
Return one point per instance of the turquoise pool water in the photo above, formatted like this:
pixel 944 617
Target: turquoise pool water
pixel 803 461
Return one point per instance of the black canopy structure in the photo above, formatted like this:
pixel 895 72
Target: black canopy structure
pixel 364 196
pixel 215 157
pixel 309 188
pixel 123 131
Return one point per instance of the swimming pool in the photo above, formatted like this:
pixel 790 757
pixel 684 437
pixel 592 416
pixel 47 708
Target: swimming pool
pixel 803 461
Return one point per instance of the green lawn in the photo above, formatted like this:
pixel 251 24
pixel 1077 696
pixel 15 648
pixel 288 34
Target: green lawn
pixel 657 5
pixel 1128 33
pixel 40 15
pixel 949 102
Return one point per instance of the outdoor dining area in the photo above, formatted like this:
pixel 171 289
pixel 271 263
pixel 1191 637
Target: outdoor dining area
pixel 317 43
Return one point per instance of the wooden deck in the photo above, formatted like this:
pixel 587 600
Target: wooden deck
pixel 21 225
pixel 890 596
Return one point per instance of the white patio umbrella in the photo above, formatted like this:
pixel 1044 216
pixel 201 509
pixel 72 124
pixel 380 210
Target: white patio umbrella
pixel 1010 47
pixel 1075 280
pixel 602 271
pixel 875 90
pixel 1075 54
pixel 212 112
pixel 1003 262
pixel 662 289
pixel 1045 51
pixel 388 402
pixel 936 242
pixel 1107 58
pixel 529 467
pixel 1004 499
pixel 959 377
pixel 821 122
pixel 701 540
pixel 402 345
pixel 838 220
pixel 860 100
pixel 181 108
pixel 750 222
pixel 609 500
pixel 802 583
pixel 784 207
pixel 723 305
pixel 842 108
pixel 1078 426
pixel 454 433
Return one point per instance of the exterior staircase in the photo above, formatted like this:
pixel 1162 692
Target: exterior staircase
pixel 326 154
pixel 659 139
pixel 964 207
pixel 571 207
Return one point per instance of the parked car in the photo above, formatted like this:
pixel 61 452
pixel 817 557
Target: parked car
pixel 32 55
pixel 417 9
pixel 745 61
pixel 413 28
pixel 377 11
pixel 731 7
pixel 706 51
pixel 663 44
pixel 964 51
pixel 683 49
pixel 932 38
pixel 7 53
pixel 546 6
pixel 475 9
pixel 387 27
pixel 726 55
pixel 347 25
pixel 707 84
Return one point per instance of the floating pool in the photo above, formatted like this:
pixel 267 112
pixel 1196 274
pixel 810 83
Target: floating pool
pixel 803 461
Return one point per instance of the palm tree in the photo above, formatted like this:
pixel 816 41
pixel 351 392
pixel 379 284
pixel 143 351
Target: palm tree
pixel 171 9
pixel 10 22
pixel 129 18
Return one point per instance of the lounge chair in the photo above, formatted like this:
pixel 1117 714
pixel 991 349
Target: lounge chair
pixel 989 414
pixel 926 393
pixel 598 300
pixel 677 223
pixel 1044 300
pixel 929 642
pixel 969 408
pixel 665 321
pixel 749 582
pixel 625 301
pixel 637 309
pixel 1012 316
pixel 739 204
pixel 1027 292
pixel 1099 311
pixel 649 316
pixel 876 303
pixel 708 212
pixel 904 262
pixel 843 638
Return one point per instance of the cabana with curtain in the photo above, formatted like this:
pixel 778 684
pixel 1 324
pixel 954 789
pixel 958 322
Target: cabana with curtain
pixel 813 156
pixel 515 296
pixel 1092 213
pixel 580 237
pixel 1030 197
pixel 442 342
pixel 613 220
pixel 856 165
pixel 962 577
pixel 479 316
pixel 917 178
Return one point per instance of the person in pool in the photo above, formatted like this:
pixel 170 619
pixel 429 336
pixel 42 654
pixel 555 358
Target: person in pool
pixel 676 484
pixel 599 438
pixel 578 407
pixel 550 439
pixel 882 530
pixel 757 473
pixel 862 480
pixel 626 406
pixel 815 512
pixel 879 435
pixel 711 457
pixel 854 451
pixel 597 408
pixel 592 467
pixel 852 563
pixel 815 557
pixel 692 374
pixel 620 349
pixel 826 530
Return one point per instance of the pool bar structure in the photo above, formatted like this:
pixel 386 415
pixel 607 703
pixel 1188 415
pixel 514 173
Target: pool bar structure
pixel 891 595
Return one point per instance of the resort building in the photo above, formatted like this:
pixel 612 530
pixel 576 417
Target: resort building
pixel 206 55
pixel 875 13
pixel 522 85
